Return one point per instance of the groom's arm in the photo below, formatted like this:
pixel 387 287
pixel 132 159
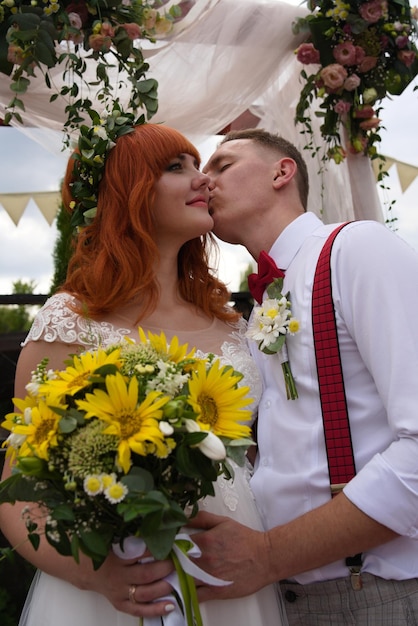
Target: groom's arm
pixel 253 559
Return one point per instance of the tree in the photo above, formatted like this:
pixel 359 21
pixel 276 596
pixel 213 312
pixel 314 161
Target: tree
pixel 62 248
pixel 17 318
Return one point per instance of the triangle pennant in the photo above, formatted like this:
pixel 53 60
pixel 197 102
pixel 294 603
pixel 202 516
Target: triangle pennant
pixel 15 204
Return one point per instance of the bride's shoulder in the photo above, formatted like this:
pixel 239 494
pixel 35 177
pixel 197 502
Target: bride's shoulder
pixel 57 320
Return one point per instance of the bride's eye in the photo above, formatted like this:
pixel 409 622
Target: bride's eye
pixel 174 165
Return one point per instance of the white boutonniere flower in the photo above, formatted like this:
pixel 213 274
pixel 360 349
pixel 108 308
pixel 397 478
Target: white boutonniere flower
pixel 270 323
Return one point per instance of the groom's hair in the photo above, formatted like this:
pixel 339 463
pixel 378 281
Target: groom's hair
pixel 281 146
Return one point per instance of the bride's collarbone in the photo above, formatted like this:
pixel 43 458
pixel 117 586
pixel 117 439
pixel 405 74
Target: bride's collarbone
pixel 178 318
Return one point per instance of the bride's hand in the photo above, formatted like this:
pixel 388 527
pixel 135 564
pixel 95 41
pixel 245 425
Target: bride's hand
pixel 134 587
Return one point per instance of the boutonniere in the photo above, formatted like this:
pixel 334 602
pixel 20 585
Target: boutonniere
pixel 270 323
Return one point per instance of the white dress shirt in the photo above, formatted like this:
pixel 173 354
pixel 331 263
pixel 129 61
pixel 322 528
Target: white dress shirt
pixel 375 292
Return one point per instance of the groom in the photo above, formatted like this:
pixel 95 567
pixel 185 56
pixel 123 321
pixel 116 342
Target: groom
pixel 259 190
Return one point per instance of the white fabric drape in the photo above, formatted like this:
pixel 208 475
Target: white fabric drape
pixel 227 57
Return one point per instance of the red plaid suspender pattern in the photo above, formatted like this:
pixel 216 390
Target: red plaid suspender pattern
pixel 331 387
pixel 330 376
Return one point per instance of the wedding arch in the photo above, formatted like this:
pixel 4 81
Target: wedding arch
pixel 230 63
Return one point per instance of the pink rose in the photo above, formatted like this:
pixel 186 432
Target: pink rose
pixel 307 53
pixel 367 64
pixel 342 106
pixel 352 82
pixel 345 53
pixel 133 31
pixel 75 20
pixel 407 57
pixel 401 41
pixel 100 43
pixel 333 76
pixel 371 12
pixel 81 9
pixel 364 112
pixel 369 124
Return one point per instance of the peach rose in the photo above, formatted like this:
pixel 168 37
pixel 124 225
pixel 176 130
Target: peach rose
pixel 107 30
pixel 100 43
pixel 370 124
pixel 15 54
pixel 307 53
pixel 133 31
pixel 333 76
pixel 367 64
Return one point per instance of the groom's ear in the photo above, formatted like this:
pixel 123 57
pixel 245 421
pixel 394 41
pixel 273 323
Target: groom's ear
pixel 284 171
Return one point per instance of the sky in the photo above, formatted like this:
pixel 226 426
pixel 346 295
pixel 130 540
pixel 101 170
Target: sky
pixel 26 250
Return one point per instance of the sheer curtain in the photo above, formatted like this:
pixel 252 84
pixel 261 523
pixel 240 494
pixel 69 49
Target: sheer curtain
pixel 223 58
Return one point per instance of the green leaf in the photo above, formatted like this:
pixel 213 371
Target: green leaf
pixel 94 542
pixel 138 480
pixel 160 543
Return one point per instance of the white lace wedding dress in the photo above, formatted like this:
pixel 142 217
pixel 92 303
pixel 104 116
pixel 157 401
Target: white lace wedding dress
pixel 53 602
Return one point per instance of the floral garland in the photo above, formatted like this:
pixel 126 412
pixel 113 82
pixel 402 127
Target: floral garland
pixel 365 50
pixel 94 144
pixel 38 35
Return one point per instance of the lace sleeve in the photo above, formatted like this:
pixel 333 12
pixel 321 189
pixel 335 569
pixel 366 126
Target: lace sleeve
pixel 56 321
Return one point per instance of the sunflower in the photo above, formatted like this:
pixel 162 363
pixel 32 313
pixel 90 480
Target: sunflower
pixel 174 350
pixel 218 401
pixel 136 425
pixel 79 374
pixel 39 427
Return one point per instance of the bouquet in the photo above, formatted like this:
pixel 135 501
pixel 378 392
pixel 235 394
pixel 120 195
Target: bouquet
pixel 363 51
pixel 38 35
pixel 123 443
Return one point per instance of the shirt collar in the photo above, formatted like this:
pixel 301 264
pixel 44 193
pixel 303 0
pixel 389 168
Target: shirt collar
pixel 291 239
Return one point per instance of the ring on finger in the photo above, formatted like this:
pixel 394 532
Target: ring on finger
pixel 131 594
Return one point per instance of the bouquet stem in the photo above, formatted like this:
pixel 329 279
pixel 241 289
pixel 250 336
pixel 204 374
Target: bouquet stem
pixel 189 595
pixel 291 390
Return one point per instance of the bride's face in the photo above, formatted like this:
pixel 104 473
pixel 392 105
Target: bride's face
pixel 180 208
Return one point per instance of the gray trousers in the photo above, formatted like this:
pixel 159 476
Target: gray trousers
pixel 334 603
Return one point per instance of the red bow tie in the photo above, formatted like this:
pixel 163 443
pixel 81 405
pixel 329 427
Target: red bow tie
pixel 267 272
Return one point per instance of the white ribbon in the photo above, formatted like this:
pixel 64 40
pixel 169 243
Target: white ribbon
pixel 134 547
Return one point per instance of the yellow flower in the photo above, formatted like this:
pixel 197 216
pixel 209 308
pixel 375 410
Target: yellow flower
pixel 79 374
pixel 41 433
pixel 218 402
pixel 135 425
pixel 174 350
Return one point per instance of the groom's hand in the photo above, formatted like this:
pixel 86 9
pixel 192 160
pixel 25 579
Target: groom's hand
pixel 232 552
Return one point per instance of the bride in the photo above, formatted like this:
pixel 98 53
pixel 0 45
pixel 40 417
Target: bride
pixel 143 260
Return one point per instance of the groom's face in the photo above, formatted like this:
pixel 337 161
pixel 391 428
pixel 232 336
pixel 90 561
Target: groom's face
pixel 240 175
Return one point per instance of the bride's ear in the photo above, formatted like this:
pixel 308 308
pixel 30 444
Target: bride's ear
pixel 284 171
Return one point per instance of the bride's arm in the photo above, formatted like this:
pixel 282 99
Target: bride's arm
pixel 115 576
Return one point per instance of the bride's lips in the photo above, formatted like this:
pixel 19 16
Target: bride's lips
pixel 198 201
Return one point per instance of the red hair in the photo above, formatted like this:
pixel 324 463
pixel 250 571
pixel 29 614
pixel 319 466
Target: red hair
pixel 113 260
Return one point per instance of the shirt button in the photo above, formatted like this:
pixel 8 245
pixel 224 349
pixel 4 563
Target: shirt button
pixel 290 596
pixel 267 404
